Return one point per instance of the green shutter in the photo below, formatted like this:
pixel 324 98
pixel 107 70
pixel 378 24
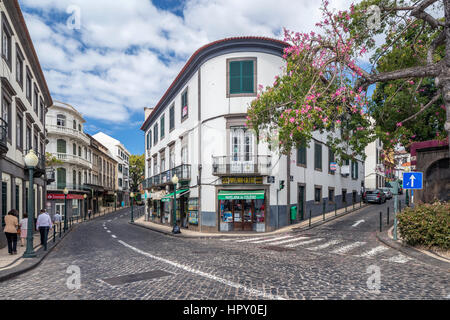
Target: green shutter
pixel 241 77
pixel 61 178
pixel 61 146
pixel 301 155
pixel 318 156
pixel 247 76
pixel 162 126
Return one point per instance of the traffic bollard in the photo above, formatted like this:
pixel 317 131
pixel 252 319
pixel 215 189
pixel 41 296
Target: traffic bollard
pixel 323 210
pixel 335 209
pixel 54 233
pixel 381 217
pixel 387 216
pixel 60 229
pixel 310 217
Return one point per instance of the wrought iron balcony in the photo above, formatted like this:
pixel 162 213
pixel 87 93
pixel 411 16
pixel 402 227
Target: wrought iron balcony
pixel 3 136
pixel 242 165
pixel 69 186
pixel 183 173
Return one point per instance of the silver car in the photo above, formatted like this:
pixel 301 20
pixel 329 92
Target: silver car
pixel 387 192
pixel 377 196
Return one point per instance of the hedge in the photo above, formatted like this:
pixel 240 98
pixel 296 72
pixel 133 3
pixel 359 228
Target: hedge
pixel 426 224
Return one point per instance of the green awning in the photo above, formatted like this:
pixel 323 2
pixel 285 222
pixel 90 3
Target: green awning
pixel 241 195
pixel 169 197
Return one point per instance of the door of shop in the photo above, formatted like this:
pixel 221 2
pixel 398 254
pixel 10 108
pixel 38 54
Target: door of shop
pixel 301 203
pixel 243 215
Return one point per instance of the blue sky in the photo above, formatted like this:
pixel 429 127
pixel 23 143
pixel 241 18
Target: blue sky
pixel 123 54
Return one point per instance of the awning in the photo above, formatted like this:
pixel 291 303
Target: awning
pixel 169 197
pixel 241 195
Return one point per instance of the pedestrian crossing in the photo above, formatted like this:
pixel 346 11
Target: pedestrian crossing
pixel 359 249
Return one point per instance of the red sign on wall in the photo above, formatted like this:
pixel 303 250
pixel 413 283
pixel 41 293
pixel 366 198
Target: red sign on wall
pixel 52 196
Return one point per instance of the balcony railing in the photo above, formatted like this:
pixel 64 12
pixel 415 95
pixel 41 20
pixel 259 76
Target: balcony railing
pixel 183 173
pixel 73 159
pixel 3 136
pixel 246 165
pixel 69 186
pixel 68 131
pixel 50 175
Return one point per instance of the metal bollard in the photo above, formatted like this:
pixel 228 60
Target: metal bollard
pixel 310 217
pixel 381 217
pixel 323 210
pixel 400 206
pixel 353 200
pixel 387 220
pixel 54 233
pixel 60 229
pixel 335 209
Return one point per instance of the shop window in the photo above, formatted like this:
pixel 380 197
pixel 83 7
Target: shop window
pixel 318 194
pixel 344 196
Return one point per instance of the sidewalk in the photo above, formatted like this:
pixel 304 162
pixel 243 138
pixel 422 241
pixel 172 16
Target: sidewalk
pixel 425 256
pixel 304 225
pixel 12 265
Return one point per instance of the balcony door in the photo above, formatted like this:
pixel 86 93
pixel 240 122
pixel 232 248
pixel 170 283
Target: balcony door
pixel 242 157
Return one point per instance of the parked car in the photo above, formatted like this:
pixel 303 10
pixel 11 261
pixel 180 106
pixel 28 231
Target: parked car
pixel 377 196
pixel 387 192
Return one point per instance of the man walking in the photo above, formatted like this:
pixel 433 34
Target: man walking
pixel 44 224
pixel 57 219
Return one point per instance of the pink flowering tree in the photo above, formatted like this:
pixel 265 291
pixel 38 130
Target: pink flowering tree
pixel 323 86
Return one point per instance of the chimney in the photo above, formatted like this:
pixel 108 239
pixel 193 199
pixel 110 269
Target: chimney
pixel 148 111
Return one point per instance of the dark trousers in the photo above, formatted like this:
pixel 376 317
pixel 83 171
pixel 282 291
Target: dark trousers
pixel 44 236
pixel 12 242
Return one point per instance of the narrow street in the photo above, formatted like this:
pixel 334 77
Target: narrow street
pixel 327 262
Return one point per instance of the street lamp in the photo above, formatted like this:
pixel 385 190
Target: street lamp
pixel 31 161
pixel 85 206
pixel 66 192
pixel 175 182
pixel 132 196
pixel 115 201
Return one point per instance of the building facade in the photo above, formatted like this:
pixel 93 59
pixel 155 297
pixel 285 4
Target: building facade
pixel 402 160
pixel 121 155
pixel 24 101
pixel 374 166
pixel 227 180
pixel 103 184
pixel 70 148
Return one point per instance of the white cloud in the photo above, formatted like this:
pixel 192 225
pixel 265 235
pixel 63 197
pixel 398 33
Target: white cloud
pixel 112 67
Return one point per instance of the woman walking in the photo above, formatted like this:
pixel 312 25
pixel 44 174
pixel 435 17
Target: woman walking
pixel 23 229
pixel 11 224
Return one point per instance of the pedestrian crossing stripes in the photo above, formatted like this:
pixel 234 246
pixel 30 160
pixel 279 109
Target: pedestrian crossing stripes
pixel 326 245
pixel 294 241
pixel 349 247
pixel 374 251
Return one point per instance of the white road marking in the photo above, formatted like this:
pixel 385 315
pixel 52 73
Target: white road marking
pixel 374 251
pixel 326 245
pixel 251 239
pixel 358 222
pixel 105 228
pixel 108 231
pixel 290 240
pixel 273 239
pixel 113 236
pixel 255 292
pixel 228 239
pixel 303 242
pixel 349 247
pixel 101 281
pixel 109 220
pixel 398 259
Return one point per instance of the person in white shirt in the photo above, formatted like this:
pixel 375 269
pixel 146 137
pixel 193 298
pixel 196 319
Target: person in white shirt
pixel 23 229
pixel 44 224
pixel 56 220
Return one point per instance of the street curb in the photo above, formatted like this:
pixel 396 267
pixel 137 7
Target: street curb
pixel 33 262
pixel 411 251
pixel 180 235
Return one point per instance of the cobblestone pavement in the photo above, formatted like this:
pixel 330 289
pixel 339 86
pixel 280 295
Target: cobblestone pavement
pixel 333 261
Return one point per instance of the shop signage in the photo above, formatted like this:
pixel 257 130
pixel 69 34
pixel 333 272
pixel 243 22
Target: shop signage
pixel 270 179
pixel 242 180
pixel 53 196
pixel 333 166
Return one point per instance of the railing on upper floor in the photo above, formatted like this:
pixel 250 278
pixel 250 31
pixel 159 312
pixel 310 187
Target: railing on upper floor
pixel 241 165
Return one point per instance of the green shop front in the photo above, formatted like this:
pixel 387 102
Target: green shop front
pixel 182 208
pixel 242 210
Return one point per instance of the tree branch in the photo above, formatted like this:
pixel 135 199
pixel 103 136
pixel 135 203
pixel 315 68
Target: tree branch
pixel 424 107
pixel 436 42
pixel 419 13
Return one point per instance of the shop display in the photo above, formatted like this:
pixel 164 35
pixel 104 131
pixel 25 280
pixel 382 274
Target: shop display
pixel 193 211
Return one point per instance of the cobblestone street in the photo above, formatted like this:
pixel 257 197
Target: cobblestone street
pixel 327 262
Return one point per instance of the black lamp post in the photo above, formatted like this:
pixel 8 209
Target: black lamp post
pixel 85 206
pixel 132 196
pixel 31 161
pixel 175 182
pixel 66 192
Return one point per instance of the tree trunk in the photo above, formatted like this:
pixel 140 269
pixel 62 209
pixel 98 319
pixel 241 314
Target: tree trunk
pixel 445 75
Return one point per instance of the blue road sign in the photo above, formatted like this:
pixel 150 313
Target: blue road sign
pixel 412 180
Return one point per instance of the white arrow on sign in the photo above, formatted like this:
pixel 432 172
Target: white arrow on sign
pixel 412 180
pixel 358 222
